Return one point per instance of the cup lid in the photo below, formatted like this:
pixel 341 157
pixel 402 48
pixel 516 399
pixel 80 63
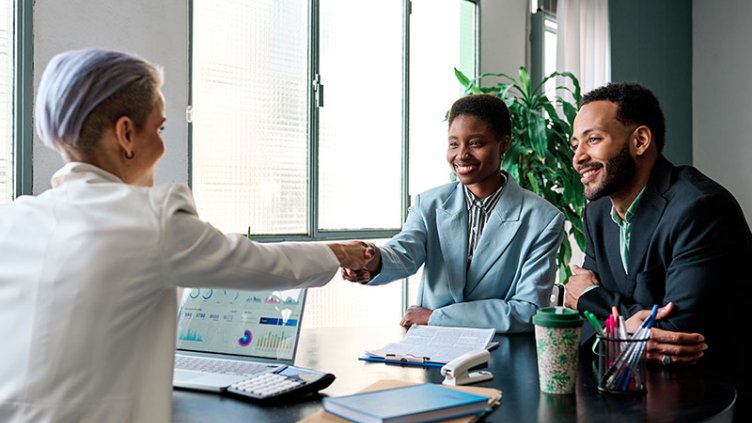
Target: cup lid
pixel 557 317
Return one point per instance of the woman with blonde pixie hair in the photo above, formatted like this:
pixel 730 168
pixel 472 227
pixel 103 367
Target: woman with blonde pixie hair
pixel 89 268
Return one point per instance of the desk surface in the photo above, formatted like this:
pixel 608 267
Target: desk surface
pixel 681 394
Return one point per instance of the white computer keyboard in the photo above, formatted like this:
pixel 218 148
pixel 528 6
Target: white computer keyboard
pixel 291 382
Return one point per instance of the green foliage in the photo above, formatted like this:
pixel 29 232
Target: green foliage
pixel 539 157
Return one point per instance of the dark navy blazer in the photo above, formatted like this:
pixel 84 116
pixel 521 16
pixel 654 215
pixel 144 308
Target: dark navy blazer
pixel 690 245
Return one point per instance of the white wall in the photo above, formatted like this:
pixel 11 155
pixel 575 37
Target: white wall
pixel 722 93
pixel 503 35
pixel 155 30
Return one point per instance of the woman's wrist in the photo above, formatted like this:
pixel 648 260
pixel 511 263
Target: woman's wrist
pixel 374 266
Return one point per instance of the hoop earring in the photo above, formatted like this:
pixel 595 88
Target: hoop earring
pixel 129 156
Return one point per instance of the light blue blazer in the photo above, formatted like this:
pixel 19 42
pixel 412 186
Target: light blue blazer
pixel 512 271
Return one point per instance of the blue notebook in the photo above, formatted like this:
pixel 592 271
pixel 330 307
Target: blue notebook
pixel 415 403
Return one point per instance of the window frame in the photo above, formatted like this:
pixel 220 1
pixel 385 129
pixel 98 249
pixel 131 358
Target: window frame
pixel 23 95
pixel 538 30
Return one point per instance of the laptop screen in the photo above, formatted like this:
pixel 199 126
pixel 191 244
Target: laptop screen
pixel 261 324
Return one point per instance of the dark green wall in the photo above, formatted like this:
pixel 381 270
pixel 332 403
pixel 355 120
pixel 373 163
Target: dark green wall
pixel 651 42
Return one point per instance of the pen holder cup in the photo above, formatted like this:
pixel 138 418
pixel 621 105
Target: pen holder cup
pixel 621 365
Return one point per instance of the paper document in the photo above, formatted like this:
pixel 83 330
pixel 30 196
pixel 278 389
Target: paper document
pixel 438 344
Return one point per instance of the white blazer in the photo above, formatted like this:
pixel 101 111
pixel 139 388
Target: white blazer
pixel 88 299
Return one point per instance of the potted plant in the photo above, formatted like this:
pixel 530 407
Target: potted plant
pixel 539 157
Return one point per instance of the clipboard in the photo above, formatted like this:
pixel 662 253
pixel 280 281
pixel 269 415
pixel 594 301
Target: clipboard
pixel 437 344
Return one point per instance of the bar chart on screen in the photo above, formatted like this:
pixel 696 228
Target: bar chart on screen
pixel 280 341
pixel 190 335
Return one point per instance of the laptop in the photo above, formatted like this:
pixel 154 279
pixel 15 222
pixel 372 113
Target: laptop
pixel 224 336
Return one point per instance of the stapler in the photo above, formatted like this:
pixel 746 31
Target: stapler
pixel 457 371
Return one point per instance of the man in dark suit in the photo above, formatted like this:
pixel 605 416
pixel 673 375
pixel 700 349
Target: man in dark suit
pixel 658 234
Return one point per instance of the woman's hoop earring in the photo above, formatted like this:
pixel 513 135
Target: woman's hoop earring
pixel 129 156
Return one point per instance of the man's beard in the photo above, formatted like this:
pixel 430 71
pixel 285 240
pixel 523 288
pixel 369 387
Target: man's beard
pixel 618 172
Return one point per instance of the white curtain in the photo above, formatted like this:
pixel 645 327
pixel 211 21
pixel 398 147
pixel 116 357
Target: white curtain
pixel 584 49
pixel 584 46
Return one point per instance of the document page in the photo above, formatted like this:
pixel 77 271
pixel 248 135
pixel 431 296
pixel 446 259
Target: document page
pixel 438 344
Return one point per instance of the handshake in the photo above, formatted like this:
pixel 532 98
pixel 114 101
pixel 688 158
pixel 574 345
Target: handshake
pixel 359 260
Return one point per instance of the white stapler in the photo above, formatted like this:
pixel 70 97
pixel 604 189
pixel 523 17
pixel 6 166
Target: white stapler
pixel 457 371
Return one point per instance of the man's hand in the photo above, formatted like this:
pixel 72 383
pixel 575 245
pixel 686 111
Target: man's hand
pixel 576 285
pixel 668 346
pixel 363 274
pixel 416 315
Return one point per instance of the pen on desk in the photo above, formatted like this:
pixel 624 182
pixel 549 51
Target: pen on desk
pixel 407 358
pixel 393 362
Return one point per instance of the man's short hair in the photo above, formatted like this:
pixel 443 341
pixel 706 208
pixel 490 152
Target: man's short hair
pixel 489 108
pixel 636 105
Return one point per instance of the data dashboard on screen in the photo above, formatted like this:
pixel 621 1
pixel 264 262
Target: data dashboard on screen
pixel 250 323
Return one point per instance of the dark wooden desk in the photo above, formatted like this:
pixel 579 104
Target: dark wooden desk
pixel 676 395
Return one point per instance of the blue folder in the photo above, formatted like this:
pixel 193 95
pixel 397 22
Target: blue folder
pixel 414 403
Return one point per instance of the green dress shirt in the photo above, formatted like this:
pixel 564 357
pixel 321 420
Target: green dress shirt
pixel 625 228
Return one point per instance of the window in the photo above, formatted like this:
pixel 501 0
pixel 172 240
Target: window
pixel 442 37
pixel 6 101
pixel 549 51
pixel 15 99
pixel 299 123
pixel 249 97
pixel 543 41
pixel 360 125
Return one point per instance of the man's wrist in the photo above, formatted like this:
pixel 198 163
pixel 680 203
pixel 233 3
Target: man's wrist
pixel 588 289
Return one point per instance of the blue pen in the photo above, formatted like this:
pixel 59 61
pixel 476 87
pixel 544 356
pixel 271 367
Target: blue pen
pixel 649 322
pixel 637 352
pixel 402 363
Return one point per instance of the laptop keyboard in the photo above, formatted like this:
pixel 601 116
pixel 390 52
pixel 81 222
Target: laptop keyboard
pixel 228 367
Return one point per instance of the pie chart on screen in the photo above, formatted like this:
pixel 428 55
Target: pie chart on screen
pixel 246 339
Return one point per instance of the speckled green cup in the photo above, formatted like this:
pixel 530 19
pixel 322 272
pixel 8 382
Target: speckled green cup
pixel 557 338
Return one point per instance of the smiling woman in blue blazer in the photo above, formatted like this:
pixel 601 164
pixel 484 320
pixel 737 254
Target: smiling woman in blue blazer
pixel 488 246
